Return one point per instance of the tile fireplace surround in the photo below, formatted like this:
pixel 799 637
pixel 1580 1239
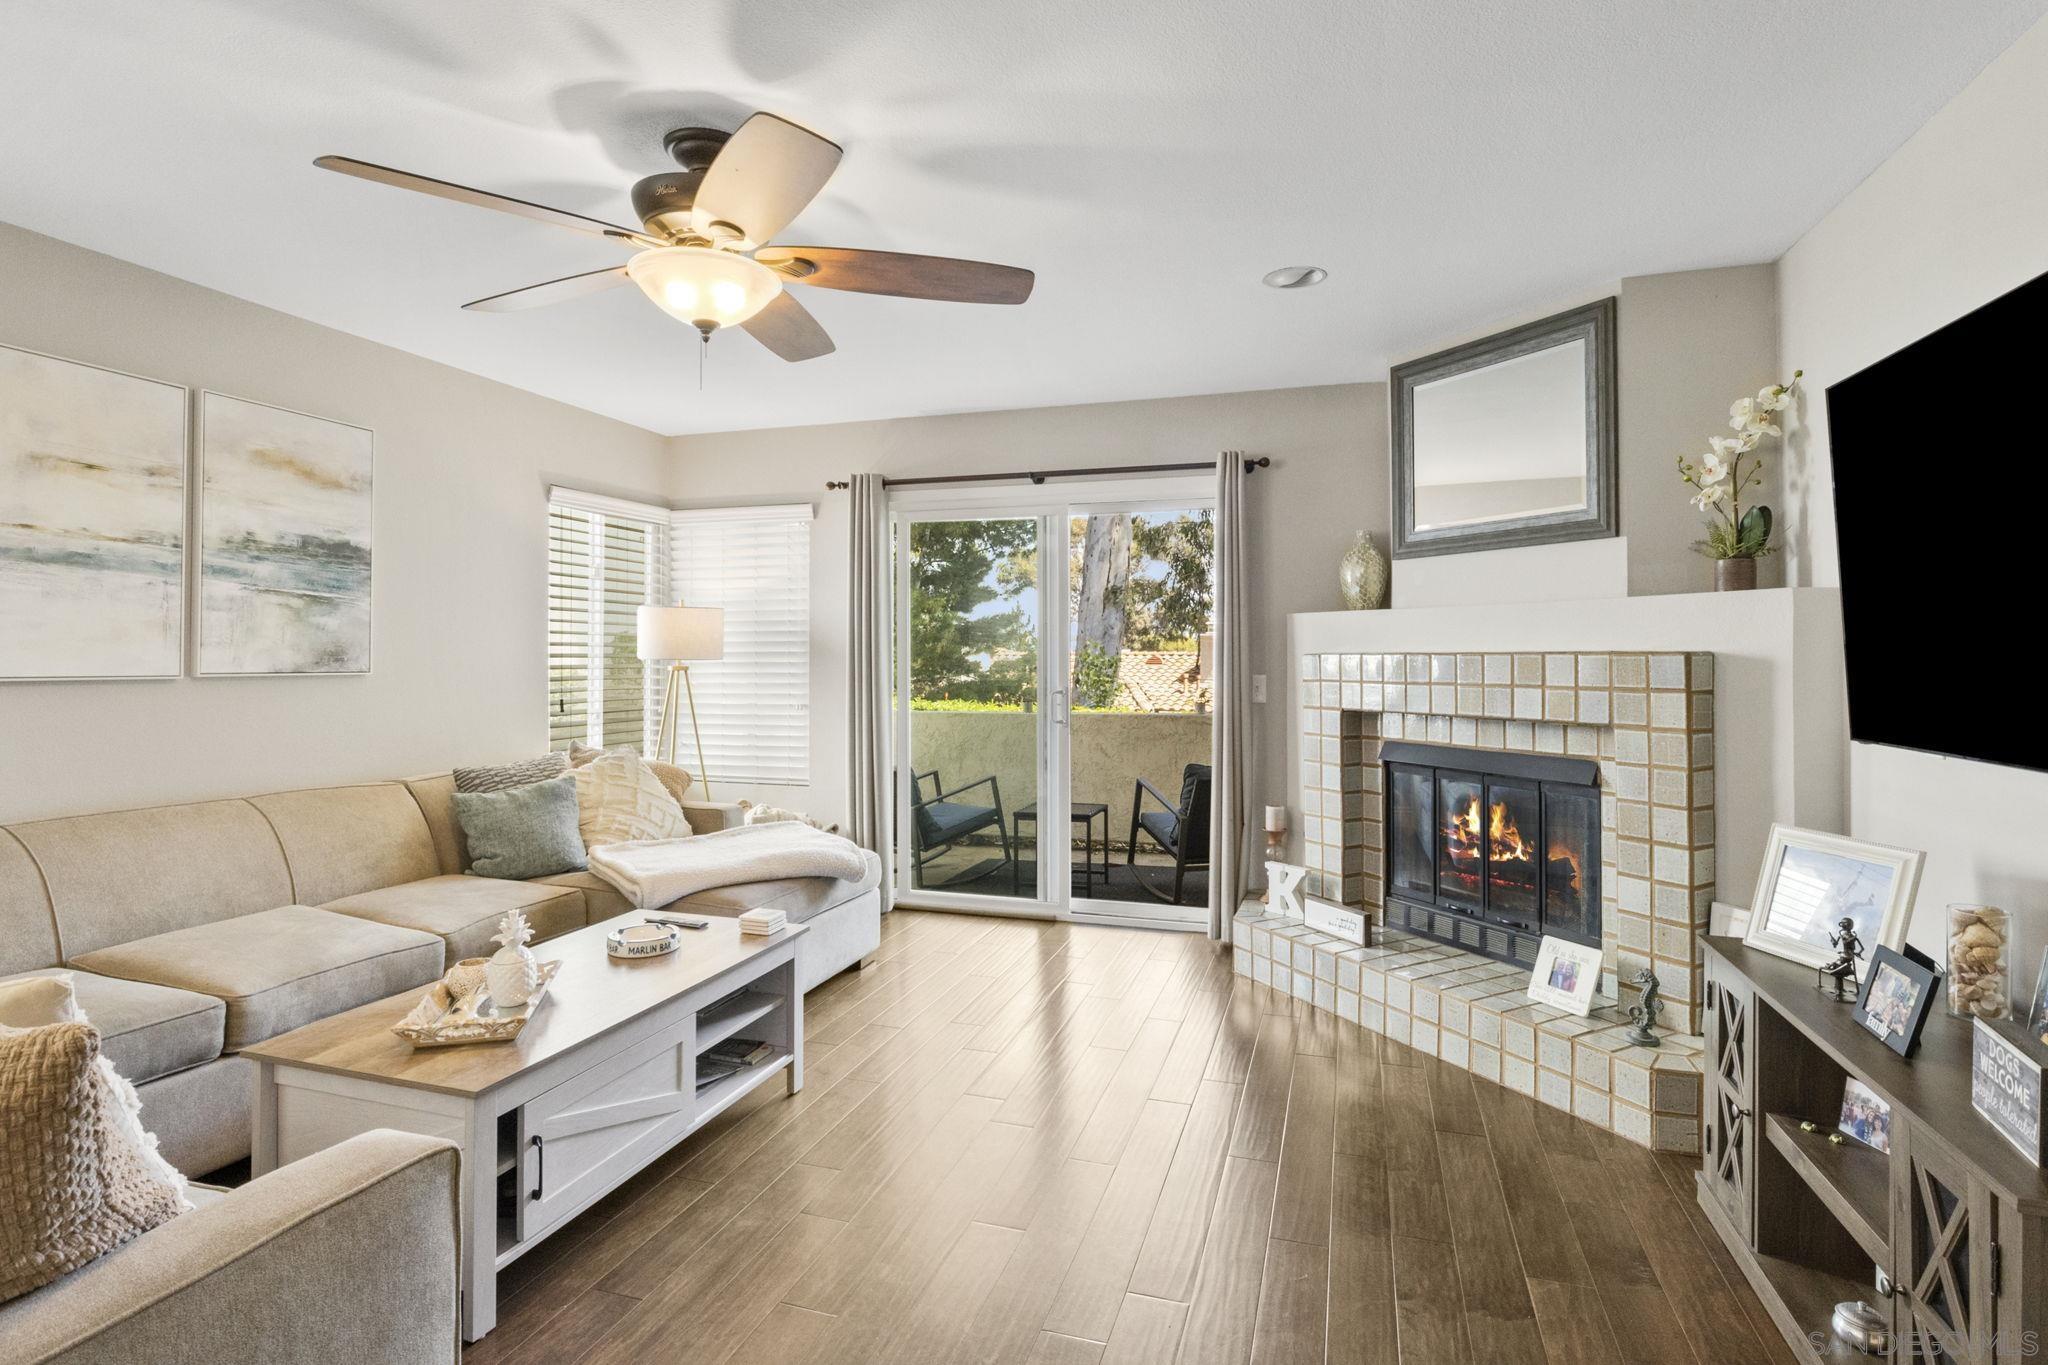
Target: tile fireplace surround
pixel 1648 719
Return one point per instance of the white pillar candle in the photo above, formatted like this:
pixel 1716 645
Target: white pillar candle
pixel 1276 819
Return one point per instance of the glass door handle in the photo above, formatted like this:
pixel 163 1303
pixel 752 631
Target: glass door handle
pixel 1059 706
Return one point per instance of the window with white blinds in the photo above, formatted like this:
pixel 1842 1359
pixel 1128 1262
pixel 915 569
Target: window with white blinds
pixel 755 703
pixel 605 558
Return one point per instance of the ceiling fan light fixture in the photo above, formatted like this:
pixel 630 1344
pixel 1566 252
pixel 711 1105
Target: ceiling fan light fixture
pixel 701 285
pixel 1296 276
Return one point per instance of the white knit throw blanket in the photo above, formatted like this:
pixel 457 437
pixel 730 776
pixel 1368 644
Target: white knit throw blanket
pixel 653 872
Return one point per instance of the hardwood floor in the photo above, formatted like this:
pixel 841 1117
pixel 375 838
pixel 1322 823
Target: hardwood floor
pixel 1073 1145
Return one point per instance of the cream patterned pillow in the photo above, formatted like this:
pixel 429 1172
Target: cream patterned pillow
pixel 618 800
pixel 675 779
pixel 76 1184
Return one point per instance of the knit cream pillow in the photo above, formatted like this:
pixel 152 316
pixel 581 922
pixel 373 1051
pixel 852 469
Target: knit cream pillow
pixel 73 1183
pixel 618 800
pixel 675 779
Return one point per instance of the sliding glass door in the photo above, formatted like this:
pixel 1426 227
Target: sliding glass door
pixel 971 703
pixel 1053 700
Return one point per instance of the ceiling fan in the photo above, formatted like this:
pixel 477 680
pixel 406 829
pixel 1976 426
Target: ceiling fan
pixel 703 253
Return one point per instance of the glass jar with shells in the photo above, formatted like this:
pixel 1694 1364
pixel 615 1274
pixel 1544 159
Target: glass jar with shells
pixel 1979 945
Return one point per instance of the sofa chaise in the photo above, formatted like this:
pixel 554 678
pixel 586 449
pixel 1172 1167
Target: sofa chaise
pixel 193 931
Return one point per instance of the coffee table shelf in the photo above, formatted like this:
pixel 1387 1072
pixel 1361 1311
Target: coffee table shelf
pixel 726 1018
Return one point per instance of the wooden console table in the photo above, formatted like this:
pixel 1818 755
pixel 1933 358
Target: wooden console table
pixel 601 1082
pixel 1954 1220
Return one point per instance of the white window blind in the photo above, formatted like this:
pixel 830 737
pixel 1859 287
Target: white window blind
pixel 605 558
pixel 754 704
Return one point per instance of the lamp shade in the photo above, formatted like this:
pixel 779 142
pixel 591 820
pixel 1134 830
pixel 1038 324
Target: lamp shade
pixel 702 286
pixel 681 632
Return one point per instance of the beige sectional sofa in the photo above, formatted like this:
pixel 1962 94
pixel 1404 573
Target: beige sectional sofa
pixel 193 931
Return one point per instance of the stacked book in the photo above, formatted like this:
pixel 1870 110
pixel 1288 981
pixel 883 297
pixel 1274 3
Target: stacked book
pixel 763 922
pixel 732 1055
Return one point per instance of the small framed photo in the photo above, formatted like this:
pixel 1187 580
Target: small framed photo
pixel 1811 882
pixel 1896 999
pixel 2037 1015
pixel 1565 976
pixel 1865 1117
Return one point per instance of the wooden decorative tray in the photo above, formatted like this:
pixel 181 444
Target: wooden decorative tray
pixel 440 1020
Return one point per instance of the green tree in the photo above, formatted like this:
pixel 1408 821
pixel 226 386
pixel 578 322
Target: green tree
pixel 1177 605
pixel 954 573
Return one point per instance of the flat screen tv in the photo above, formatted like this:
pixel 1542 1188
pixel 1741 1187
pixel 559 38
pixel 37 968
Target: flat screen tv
pixel 1940 456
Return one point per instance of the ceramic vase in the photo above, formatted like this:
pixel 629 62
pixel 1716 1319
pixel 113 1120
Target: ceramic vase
pixel 1362 575
pixel 1734 575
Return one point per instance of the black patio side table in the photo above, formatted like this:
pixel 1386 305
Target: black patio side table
pixel 1082 813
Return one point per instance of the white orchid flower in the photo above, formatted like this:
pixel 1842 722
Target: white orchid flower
pixel 1758 427
pixel 1740 412
pixel 1710 495
pixel 1774 398
pixel 1713 469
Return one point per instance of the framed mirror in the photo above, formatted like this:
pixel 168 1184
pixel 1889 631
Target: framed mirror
pixel 1508 440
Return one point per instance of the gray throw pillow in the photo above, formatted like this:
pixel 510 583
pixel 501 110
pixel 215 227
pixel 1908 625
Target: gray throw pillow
pixel 522 832
pixel 499 777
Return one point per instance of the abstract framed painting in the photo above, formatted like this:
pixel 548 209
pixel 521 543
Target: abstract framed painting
pixel 284 541
pixel 92 521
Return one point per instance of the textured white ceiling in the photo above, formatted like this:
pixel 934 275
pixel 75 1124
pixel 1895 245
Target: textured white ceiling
pixel 1450 163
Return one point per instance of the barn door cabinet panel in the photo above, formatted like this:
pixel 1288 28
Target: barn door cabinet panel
pixel 1952 1223
pixel 1727 1137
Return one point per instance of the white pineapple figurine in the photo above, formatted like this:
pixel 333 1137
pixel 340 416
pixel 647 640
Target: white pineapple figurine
pixel 513 974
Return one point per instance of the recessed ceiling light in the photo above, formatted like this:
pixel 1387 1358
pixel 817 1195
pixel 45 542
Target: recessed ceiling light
pixel 1296 276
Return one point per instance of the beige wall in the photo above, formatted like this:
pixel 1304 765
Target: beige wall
pixel 1687 344
pixel 1690 343
pixel 463 466
pixel 1327 481
pixel 1952 220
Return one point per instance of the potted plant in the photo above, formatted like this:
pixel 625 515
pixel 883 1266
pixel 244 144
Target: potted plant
pixel 1737 539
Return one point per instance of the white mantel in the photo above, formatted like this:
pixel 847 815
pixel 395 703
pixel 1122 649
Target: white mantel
pixel 1781 742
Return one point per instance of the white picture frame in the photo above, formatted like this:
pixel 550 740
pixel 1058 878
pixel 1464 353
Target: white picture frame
pixel 1810 880
pixel 1565 976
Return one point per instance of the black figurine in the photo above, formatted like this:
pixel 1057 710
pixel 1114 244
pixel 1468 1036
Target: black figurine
pixel 1842 968
pixel 1645 1013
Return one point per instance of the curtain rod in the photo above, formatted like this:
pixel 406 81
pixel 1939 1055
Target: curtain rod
pixel 1041 475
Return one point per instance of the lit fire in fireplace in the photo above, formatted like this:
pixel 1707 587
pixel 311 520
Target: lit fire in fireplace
pixel 1504 842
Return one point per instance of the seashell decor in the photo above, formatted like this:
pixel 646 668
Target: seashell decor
pixel 1979 942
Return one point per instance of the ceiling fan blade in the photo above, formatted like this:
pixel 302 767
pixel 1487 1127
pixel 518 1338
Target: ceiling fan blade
pixel 760 180
pixel 905 277
pixel 550 291
pixel 483 199
pixel 787 328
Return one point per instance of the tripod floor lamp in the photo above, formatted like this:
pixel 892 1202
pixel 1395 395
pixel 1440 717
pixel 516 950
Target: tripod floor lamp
pixel 680 636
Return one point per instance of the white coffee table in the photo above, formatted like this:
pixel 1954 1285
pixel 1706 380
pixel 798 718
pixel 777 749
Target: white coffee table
pixel 601 1082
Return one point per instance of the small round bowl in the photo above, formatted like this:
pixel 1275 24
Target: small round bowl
pixel 642 940
pixel 465 977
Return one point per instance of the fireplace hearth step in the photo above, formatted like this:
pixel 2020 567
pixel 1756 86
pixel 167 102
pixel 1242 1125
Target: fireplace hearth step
pixel 1473 1012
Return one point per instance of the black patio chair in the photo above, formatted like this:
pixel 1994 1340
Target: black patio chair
pixel 1182 830
pixel 937 822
